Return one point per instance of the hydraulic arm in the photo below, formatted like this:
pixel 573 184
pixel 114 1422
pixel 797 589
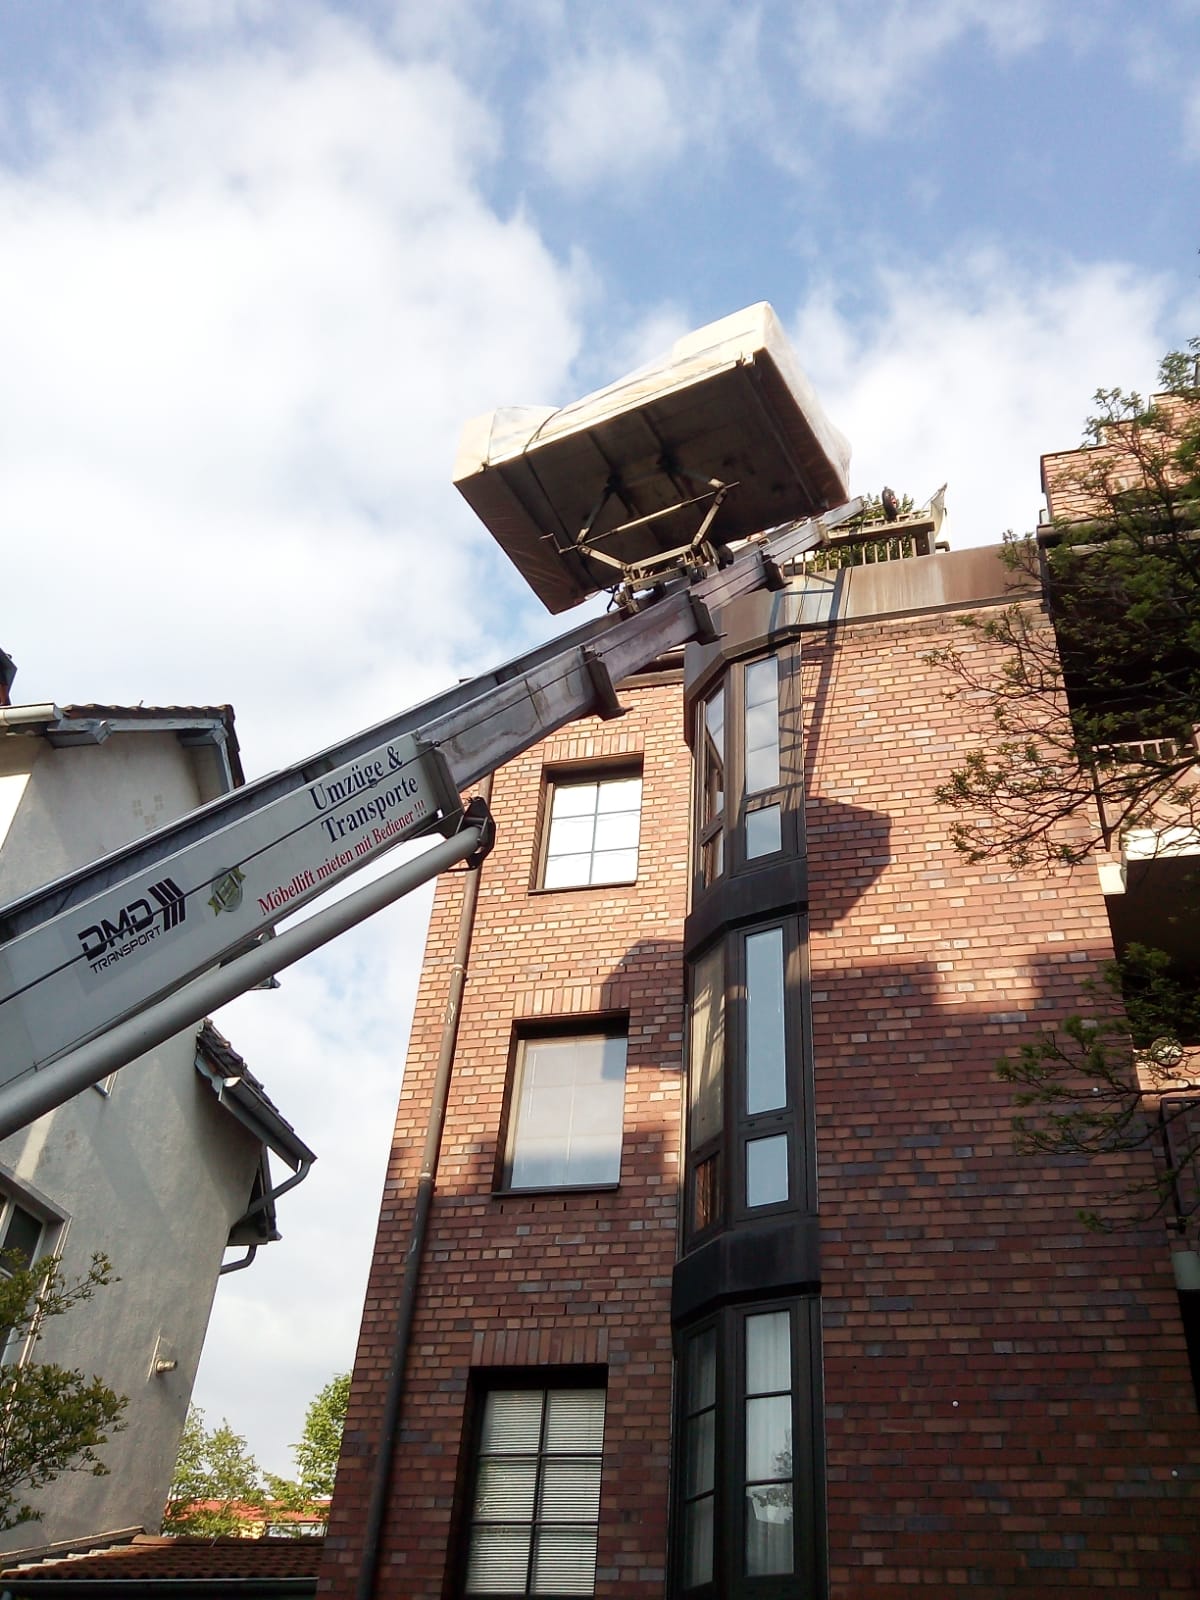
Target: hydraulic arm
pixel 107 943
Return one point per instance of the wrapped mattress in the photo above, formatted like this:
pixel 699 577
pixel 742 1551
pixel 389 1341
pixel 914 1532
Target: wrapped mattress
pixel 728 403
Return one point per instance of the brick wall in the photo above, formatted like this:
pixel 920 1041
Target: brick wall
pixel 1008 1401
pixel 1008 1404
pixel 548 1279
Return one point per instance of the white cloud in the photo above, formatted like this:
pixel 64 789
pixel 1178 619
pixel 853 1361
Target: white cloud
pixel 251 304
pixel 609 119
pixel 252 308
pixel 872 61
pixel 970 372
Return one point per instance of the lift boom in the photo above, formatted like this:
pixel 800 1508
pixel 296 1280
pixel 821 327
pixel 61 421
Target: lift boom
pixel 98 951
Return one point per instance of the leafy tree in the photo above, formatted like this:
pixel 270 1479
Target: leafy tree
pixel 52 1419
pixel 317 1452
pixel 1120 1080
pixel 1094 711
pixel 216 1478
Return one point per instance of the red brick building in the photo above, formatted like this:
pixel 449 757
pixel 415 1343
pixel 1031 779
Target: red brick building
pixel 734 1285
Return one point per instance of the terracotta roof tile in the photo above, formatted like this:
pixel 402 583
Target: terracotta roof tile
pixel 162 1556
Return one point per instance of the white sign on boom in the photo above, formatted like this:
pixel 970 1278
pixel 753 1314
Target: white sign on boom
pixel 74 976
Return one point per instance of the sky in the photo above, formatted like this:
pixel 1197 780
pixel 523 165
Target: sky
pixel 261 259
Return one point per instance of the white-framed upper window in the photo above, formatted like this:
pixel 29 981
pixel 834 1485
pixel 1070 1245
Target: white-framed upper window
pixel 592 831
pixel 567 1112
pixel 535 1495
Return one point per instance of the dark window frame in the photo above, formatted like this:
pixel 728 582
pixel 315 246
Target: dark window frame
pixel 730 1581
pixel 738 1125
pixel 729 826
pixel 481 1382
pixel 608 1025
pixel 568 775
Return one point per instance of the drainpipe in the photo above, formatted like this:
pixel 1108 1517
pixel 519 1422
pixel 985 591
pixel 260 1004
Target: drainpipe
pixel 394 1398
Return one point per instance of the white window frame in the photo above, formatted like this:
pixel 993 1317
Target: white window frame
pixel 569 820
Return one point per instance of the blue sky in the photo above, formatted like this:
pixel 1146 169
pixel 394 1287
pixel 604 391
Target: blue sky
pixel 260 260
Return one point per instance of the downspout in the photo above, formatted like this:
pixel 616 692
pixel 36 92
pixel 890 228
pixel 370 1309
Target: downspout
pixel 394 1398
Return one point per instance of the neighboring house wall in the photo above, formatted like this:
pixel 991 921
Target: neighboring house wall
pixel 152 1173
pixel 1006 1397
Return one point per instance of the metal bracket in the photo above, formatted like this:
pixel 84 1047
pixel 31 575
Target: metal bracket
pixel 774 574
pixel 607 706
pixel 477 815
pixel 706 629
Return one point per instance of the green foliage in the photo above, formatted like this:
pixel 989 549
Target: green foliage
pixel 317 1451
pixel 52 1419
pixel 1119 1080
pixel 1092 713
pixel 216 1477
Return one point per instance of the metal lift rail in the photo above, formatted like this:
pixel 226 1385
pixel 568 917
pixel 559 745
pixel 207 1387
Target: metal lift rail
pixel 113 958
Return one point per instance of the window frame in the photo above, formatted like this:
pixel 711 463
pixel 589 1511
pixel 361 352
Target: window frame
pixel 14 1350
pixel 739 1126
pixel 729 1577
pixel 561 1029
pixel 555 778
pixel 482 1382
pixel 724 833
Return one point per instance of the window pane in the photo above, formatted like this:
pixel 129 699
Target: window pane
pixel 574 1420
pixel 768 1352
pixel 499 1562
pixel 566 872
pixel 571 1491
pixel 618 832
pixel 706 1196
pixel 698 1543
pixel 512 1421
pixel 506 1489
pixel 21 1237
pixel 574 800
pixel 766 1060
pixel 766 1170
pixel 769 1529
pixel 764 831
pixel 769 1437
pixel 619 794
pixel 713 781
pixel 702 1371
pixel 762 725
pixel 564 1561
pixel 708 1047
pixel 571 835
pixel 615 866
pixel 701 1453
pixel 570 1112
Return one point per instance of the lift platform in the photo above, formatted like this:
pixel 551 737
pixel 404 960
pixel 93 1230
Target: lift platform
pixel 659 472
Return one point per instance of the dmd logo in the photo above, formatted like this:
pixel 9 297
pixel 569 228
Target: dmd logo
pixel 107 941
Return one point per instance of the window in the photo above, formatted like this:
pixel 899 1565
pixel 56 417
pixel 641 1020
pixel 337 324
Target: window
pixel 749 1474
pixel 567 1112
pixel 747 739
pixel 748 1132
pixel 592 831
pixel 20 1235
pixel 535 1495
pixel 712 787
pixel 24 1236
